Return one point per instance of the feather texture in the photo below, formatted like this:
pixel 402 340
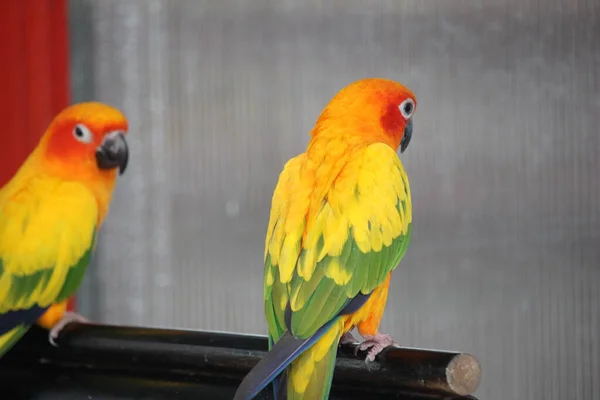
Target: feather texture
pixel 326 246
pixel 337 229
pixel 47 231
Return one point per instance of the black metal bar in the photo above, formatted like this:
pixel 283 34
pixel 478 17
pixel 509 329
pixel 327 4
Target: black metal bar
pixel 115 362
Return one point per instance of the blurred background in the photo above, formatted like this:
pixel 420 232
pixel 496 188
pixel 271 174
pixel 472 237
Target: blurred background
pixel 504 166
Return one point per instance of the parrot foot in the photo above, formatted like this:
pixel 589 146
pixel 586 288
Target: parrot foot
pixel 67 318
pixel 348 338
pixel 376 344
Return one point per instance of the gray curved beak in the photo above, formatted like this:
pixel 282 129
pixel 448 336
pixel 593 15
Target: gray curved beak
pixel 407 135
pixel 113 152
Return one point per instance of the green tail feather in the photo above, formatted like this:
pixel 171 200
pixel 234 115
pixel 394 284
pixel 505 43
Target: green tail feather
pixel 11 337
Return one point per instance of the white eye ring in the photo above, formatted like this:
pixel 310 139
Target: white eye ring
pixel 407 108
pixel 82 133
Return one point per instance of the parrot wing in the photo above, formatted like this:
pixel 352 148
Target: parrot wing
pixel 323 253
pixel 46 236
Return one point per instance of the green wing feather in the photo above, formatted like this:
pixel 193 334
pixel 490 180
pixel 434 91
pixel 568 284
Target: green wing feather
pixel 326 244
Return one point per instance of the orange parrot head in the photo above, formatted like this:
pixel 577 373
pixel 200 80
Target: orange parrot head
pixel 374 108
pixel 86 141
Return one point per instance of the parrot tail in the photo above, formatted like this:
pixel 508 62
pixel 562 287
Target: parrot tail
pixel 309 377
pixel 315 358
pixel 8 339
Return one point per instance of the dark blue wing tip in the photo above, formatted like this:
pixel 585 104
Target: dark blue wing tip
pixel 12 319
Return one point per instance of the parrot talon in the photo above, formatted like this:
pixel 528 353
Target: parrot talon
pixel 347 338
pixel 375 344
pixel 67 318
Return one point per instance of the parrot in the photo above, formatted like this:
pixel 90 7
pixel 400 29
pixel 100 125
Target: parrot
pixel 50 214
pixel 340 222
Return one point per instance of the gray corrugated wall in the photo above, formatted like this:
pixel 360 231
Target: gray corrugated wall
pixel 504 166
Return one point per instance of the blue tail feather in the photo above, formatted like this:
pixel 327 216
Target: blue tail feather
pixel 280 386
pixel 283 353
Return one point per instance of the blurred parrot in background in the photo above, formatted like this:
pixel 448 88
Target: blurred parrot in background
pixel 50 213
pixel 340 223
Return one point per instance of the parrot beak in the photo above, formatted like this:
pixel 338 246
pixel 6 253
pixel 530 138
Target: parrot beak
pixel 407 135
pixel 113 152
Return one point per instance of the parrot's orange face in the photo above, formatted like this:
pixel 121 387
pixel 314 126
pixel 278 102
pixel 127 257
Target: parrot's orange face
pixel 376 108
pixel 87 141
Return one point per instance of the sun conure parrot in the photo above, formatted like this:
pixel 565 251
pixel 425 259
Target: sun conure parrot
pixel 50 213
pixel 340 223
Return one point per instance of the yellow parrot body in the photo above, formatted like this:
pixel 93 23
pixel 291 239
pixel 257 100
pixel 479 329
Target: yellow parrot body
pixel 53 274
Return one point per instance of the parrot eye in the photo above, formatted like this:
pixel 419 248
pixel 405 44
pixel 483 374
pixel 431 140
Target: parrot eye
pixel 82 133
pixel 407 108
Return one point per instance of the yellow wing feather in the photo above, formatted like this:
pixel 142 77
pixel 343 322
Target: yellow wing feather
pixel 337 227
pixel 46 227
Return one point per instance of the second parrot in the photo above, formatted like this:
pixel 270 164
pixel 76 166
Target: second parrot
pixel 340 223
pixel 50 213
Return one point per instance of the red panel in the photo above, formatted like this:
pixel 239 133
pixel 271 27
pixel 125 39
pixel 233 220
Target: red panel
pixel 34 75
pixel 14 140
